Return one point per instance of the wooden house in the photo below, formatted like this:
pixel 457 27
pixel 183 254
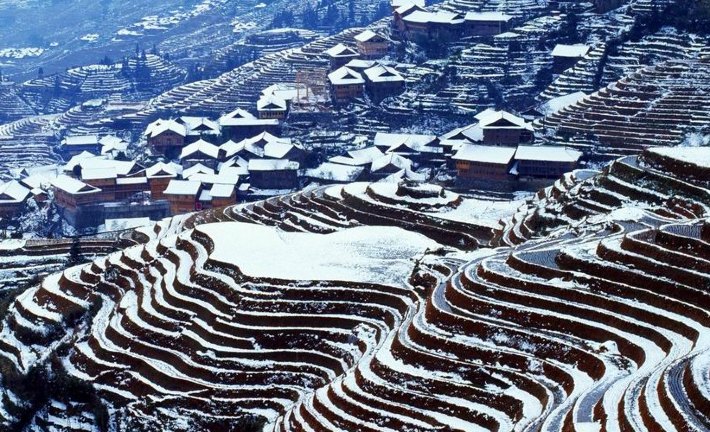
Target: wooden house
pixel 159 176
pixel 372 45
pixel 13 196
pixel 566 56
pixel 341 54
pixel 73 145
pixel 166 137
pixel 545 161
pixel 240 124
pixel 183 195
pixel 346 85
pixel 383 81
pixel 486 23
pixel 277 174
pixel 476 163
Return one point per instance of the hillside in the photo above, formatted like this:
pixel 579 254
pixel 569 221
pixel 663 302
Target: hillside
pixel 602 321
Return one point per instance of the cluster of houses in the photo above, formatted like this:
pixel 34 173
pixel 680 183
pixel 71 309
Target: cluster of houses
pixel 356 71
pixel 410 20
pixel 496 152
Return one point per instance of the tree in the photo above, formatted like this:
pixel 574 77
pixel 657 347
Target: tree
pixel 309 17
pixel 40 72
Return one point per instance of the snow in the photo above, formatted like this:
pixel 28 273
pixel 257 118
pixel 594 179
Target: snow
pixel 335 172
pixel 571 51
pixel 124 224
pixel 699 156
pixel 345 76
pixel 183 187
pixel 547 153
pixel 488 16
pixel 382 255
pixel 485 154
pixel 559 103
pixel 20 53
pixel 272 165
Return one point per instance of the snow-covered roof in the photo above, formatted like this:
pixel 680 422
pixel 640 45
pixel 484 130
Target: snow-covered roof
pixel 201 146
pixel 161 126
pixel 272 103
pixel 345 76
pixel 439 17
pixel 131 180
pixel 195 169
pixel 76 160
pixel 380 73
pixel 221 190
pixel 13 192
pixel 277 150
pixel 272 165
pixel 73 186
pixel 162 169
pixel 390 159
pixel 80 140
pixel 360 64
pixel 557 104
pixel 487 119
pixel 392 141
pixel 104 173
pixel 121 168
pixel 335 172
pixel 341 50
pixel 366 36
pixel 408 8
pixel 242 117
pixel 547 153
pixel 111 140
pixel 571 51
pixel 488 16
pixel 399 3
pixel 183 187
pixel 199 125
pixel 112 225
pixel 366 155
pixel 485 154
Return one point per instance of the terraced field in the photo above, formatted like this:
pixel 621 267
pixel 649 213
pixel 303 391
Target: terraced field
pixel 381 306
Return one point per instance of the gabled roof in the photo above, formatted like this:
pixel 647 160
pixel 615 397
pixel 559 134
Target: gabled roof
pixel 400 3
pixel 360 64
pixel 570 51
pixel 547 154
pixel 390 160
pixel 381 73
pixel 335 172
pixel 183 187
pixel 200 147
pixel 105 173
pixel 76 160
pixel 366 155
pixel 368 35
pixel 161 126
pixel 439 17
pixel 195 169
pixel 73 186
pixel 238 114
pixel 240 117
pixel 407 9
pixel 199 125
pixel 121 168
pixel 277 150
pixel 485 154
pixel 13 192
pixel 345 76
pixel 162 169
pixel 222 190
pixel 341 50
pixel 80 140
pixel 392 141
pixel 502 119
pixel 272 165
pixel 271 103
pixel 488 16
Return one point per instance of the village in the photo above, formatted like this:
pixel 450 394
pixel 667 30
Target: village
pixel 193 163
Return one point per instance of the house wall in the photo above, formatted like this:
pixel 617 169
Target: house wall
pixel 511 137
pixel 344 93
pixel 374 49
pixel 286 179
pixel 544 169
pixel 157 186
pixel 180 204
pixel 482 171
